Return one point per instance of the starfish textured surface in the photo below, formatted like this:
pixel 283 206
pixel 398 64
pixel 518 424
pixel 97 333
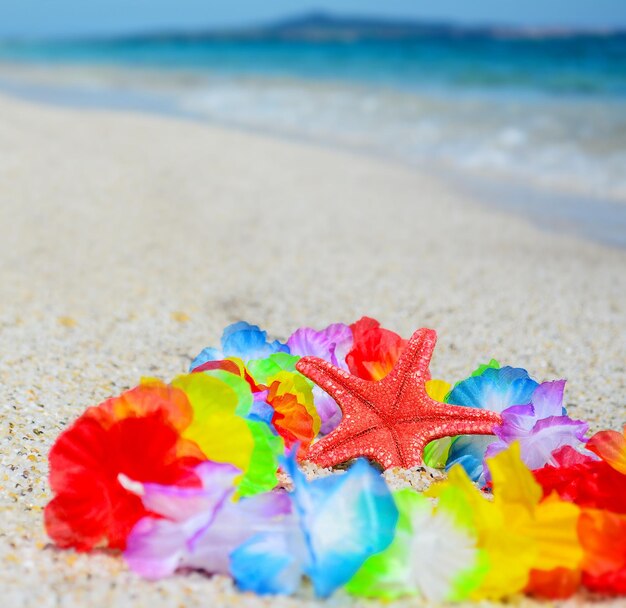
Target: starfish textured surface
pixel 390 421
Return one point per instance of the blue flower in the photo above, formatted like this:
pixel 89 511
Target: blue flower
pixel 243 341
pixel 494 389
pixel 339 521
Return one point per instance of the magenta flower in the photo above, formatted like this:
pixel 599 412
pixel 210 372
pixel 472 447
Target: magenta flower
pixel 331 344
pixel 198 528
pixel 541 427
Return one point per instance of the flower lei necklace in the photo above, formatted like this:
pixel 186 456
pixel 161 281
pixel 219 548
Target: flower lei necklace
pixel 185 475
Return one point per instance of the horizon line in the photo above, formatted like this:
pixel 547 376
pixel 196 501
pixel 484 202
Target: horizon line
pixel 265 28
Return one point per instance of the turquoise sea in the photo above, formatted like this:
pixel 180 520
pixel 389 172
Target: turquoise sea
pixel 544 112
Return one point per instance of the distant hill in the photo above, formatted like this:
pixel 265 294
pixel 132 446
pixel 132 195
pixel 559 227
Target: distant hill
pixel 324 27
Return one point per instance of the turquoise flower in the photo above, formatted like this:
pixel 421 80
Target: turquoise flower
pixel 338 522
pixel 490 388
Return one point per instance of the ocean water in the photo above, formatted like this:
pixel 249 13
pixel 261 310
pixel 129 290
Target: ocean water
pixel 548 113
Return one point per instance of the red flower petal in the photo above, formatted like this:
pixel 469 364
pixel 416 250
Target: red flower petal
pixel 613 583
pixel 75 517
pixel 231 366
pixel 603 537
pixel 91 507
pixel 375 350
pixel 588 483
pixel 555 584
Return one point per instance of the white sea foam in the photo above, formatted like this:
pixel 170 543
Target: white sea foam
pixel 571 144
pixel 576 145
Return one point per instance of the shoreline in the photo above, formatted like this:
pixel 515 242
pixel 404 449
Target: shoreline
pixel 132 240
pixel 601 220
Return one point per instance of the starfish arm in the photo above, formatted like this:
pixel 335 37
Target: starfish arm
pixel 411 369
pixel 413 439
pixel 451 420
pixel 443 421
pixel 416 356
pixel 335 381
pixel 343 447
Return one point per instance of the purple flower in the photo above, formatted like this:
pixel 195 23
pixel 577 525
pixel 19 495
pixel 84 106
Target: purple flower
pixel 540 427
pixel 198 527
pixel 331 344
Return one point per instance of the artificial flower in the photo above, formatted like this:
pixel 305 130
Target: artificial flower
pixel 233 365
pixel 540 427
pixel 436 452
pixel 290 396
pixel 495 388
pixel 433 554
pixel 263 370
pixel 491 388
pixel 483 367
pixel 261 410
pixel 132 473
pixel 518 530
pixel 199 527
pixel 339 521
pixel 603 537
pixel 611 447
pixel 151 396
pixel 243 341
pixel 136 435
pixel 584 480
pixel 331 344
pixel 555 584
pixel 375 350
pixel 295 418
pixel 221 402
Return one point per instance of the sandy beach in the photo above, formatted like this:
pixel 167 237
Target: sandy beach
pixel 129 241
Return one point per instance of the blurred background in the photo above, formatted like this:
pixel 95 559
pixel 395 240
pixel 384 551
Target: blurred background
pixel 523 104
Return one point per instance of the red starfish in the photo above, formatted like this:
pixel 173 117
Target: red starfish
pixel 392 420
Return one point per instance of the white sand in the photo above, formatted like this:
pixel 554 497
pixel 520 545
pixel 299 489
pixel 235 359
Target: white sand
pixel 129 242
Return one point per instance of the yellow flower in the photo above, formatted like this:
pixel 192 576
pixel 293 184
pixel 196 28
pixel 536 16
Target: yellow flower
pixel 438 389
pixel 436 452
pixel 517 530
pixel 219 401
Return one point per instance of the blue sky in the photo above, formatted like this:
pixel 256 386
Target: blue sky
pixel 71 17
